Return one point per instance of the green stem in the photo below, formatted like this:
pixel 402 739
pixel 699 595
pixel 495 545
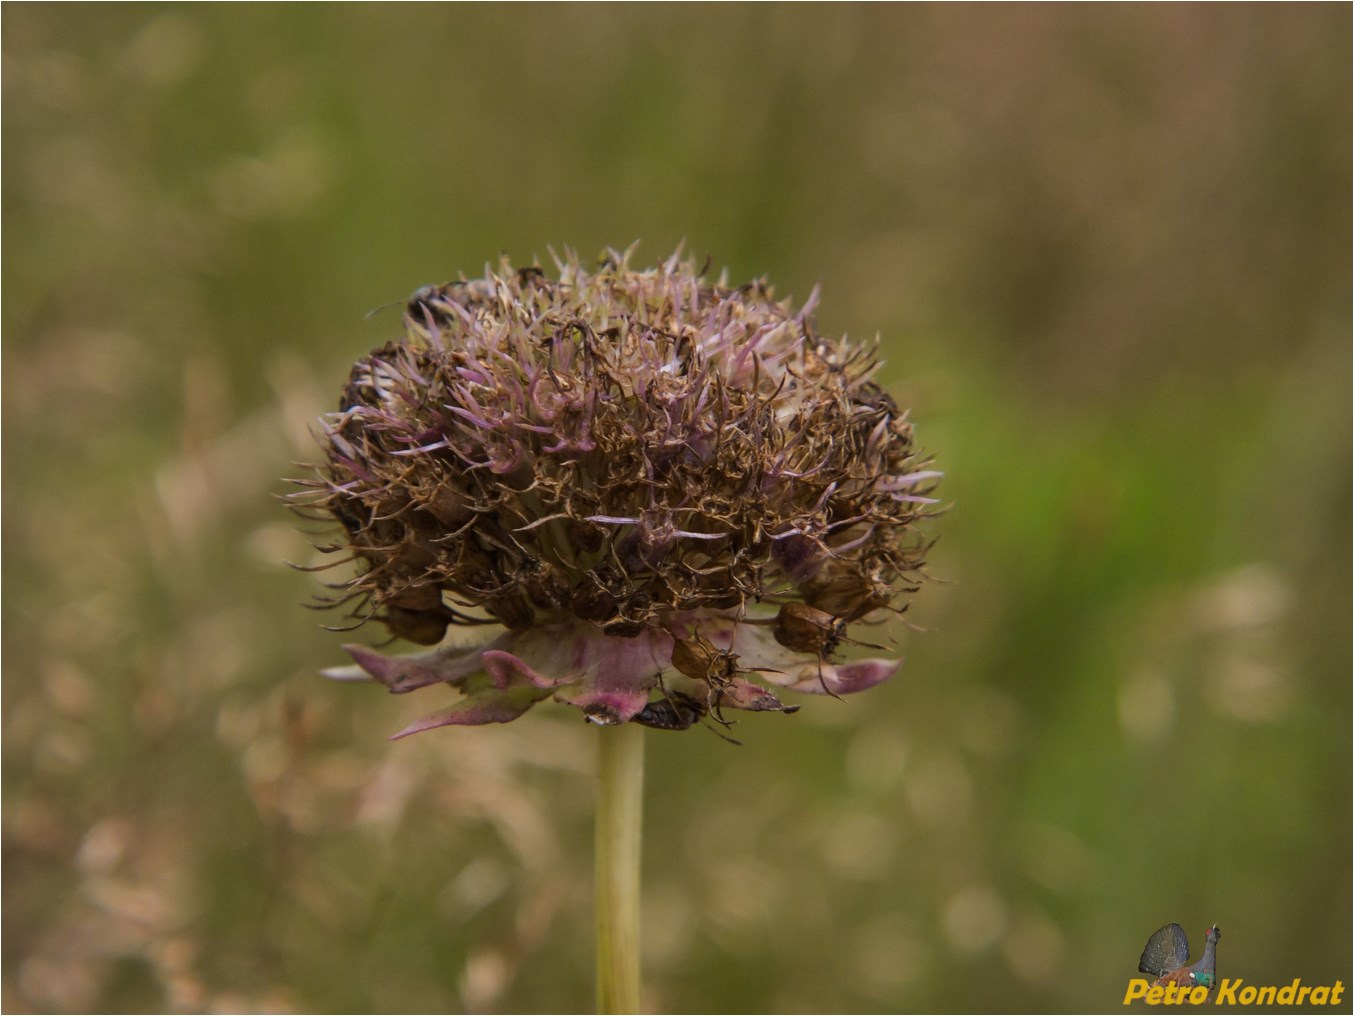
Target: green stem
pixel 620 802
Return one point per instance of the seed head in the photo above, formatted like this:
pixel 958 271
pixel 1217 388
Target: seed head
pixel 655 483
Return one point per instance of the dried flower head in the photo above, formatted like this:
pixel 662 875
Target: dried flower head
pixel 659 486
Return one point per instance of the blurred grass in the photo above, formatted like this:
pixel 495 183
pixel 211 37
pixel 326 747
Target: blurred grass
pixel 1108 251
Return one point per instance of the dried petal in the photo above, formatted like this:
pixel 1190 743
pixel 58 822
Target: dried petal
pixel 743 694
pixel 846 678
pixel 493 706
pixel 406 673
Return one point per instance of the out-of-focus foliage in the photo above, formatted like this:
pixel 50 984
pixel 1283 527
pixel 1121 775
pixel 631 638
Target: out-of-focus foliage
pixel 1108 250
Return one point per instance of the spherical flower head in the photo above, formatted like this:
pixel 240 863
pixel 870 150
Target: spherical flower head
pixel 662 488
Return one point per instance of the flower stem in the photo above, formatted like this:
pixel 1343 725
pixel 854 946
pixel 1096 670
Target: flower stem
pixel 620 801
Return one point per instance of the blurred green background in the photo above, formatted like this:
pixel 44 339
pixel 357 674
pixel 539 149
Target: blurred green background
pixel 1108 250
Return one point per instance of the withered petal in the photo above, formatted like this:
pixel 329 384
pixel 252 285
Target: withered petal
pixel 845 678
pixel 493 705
pixel 740 693
pixel 403 674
